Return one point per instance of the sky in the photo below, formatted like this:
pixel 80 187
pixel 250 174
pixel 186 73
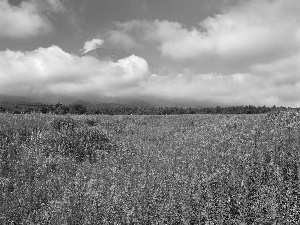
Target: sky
pixel 210 52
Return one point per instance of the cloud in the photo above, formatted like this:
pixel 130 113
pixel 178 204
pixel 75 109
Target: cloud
pixel 284 72
pixel 259 39
pixel 29 18
pixel 51 71
pixel 121 39
pixel 92 44
pixel 22 21
pixel 56 6
pixel 253 30
pixel 50 7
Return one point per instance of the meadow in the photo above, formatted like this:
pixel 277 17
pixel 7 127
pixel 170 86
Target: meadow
pixel 185 169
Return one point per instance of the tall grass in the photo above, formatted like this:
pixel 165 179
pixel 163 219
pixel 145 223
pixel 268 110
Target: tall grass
pixel 188 169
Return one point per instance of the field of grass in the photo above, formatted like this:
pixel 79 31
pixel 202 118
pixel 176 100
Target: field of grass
pixel 187 169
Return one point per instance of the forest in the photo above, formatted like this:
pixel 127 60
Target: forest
pixel 79 109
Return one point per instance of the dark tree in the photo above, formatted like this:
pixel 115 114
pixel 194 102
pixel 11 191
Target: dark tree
pixel 78 109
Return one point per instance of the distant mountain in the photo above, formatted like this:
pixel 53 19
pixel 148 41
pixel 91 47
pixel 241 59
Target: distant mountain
pixel 117 104
pixel 107 105
pixel 105 54
pixel 18 100
pixel 138 103
pixel 113 103
pixel 113 55
pixel 98 105
pixel 80 102
pixel 5 99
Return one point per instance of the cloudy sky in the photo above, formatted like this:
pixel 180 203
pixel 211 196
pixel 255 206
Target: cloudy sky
pixel 210 52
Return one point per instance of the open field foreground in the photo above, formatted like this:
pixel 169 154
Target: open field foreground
pixel 187 169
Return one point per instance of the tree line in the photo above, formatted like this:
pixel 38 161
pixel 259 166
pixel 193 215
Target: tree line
pixel 61 109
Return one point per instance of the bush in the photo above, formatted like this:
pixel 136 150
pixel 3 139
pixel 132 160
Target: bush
pixel 78 109
pixel 84 144
pixel 90 122
pixel 64 124
pixel 72 138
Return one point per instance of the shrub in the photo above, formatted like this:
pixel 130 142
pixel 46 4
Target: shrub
pixel 78 109
pixel 85 143
pixel 72 138
pixel 90 122
pixel 64 124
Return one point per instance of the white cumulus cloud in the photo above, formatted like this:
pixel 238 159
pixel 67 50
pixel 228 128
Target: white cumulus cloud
pixel 121 39
pixel 51 71
pixel 22 21
pixel 254 29
pixel 92 44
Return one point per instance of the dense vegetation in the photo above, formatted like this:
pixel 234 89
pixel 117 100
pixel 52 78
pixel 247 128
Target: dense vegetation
pixel 184 169
pixel 115 109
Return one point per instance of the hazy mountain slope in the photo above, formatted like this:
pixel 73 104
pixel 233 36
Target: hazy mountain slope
pixel 105 54
pixel 113 55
